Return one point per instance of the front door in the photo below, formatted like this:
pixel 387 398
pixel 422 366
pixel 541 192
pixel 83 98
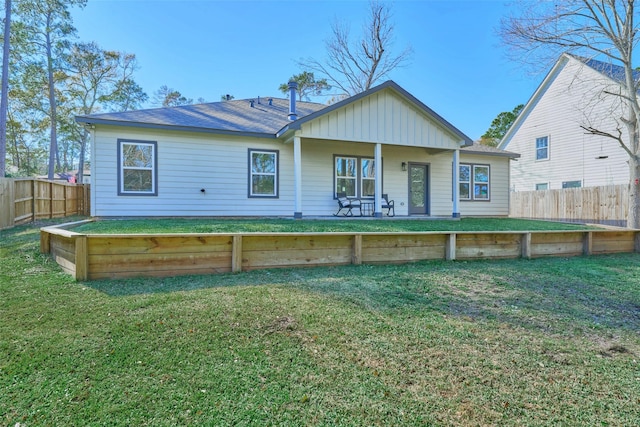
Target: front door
pixel 418 189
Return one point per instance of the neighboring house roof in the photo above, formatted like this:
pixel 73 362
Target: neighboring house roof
pixel 488 151
pixel 240 118
pixel 611 71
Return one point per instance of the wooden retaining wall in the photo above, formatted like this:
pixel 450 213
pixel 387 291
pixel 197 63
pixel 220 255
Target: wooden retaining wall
pixel 27 200
pixel 90 257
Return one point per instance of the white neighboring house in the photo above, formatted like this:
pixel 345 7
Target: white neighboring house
pixel 556 152
pixel 279 157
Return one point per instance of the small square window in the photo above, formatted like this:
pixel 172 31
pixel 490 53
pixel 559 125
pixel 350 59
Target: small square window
pixel 542 186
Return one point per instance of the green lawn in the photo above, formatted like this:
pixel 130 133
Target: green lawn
pixel 552 341
pixel 317 225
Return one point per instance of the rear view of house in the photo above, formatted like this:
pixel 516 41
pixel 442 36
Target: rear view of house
pixel 279 157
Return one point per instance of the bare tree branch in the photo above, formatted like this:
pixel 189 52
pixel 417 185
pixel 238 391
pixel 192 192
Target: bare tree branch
pixel 356 67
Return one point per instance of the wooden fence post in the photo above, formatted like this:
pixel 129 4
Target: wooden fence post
pixel 82 258
pixel 236 254
pixel 356 257
pixel 525 242
pixel 587 243
pixel 450 247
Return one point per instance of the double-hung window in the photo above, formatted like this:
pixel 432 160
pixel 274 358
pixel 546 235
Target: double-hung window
pixel 263 173
pixel 137 168
pixel 542 148
pixel 355 176
pixel 474 182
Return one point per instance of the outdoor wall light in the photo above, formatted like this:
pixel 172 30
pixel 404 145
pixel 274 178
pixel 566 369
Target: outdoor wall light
pixel 404 166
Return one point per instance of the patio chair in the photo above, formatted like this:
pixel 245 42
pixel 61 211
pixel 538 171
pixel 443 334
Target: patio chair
pixel 387 204
pixel 347 204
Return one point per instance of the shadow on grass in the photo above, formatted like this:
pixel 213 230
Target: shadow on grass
pixel 549 294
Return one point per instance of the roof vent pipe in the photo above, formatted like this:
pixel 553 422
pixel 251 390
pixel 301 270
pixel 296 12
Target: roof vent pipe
pixel 270 101
pixel 293 86
pixel 251 102
pixel 258 100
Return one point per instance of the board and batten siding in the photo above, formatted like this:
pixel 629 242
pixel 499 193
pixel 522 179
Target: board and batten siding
pixel 573 98
pixel 383 117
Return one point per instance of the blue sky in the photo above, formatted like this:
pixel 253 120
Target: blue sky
pixel 206 48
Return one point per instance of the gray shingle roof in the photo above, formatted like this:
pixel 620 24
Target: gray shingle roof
pixel 614 72
pixel 227 116
pixel 488 151
pixel 240 118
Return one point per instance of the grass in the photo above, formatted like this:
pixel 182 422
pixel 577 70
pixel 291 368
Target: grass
pixel 551 341
pixel 172 225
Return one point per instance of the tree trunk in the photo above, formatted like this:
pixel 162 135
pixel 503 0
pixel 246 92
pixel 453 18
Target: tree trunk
pixel 53 148
pixel 4 101
pixel 633 219
pixel 83 147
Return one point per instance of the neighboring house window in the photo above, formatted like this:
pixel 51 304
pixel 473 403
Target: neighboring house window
pixel 542 186
pixel 137 168
pixel 542 148
pixel 571 184
pixel 474 182
pixel 355 176
pixel 263 173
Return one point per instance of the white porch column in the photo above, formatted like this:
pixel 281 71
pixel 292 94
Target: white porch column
pixel 297 177
pixel 456 184
pixel 378 180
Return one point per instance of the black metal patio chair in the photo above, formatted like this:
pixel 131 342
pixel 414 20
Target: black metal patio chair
pixel 346 204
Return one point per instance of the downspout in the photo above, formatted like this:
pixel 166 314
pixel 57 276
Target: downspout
pixel 456 184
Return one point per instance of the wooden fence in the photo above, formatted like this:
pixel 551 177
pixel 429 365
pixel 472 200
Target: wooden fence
pixel 27 200
pixel 598 205
pixel 100 256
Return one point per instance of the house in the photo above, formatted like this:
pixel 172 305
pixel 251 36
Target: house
pixel 280 157
pixel 556 151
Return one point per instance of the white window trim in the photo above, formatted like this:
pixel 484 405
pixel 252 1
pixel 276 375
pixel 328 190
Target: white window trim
pixel 547 148
pixel 122 168
pixel 276 155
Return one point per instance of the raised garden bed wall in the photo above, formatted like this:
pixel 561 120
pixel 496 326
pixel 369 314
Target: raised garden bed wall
pixel 91 257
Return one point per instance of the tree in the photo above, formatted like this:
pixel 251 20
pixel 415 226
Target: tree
pixel 96 79
pixel 169 97
pixel 49 25
pixel 590 28
pixel 499 126
pixel 226 97
pixel 4 87
pixel 356 67
pixel 307 85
